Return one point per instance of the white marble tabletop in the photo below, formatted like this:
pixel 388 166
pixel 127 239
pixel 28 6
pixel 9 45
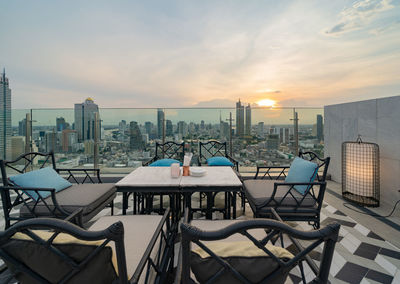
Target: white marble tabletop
pixel 149 177
pixel 215 176
pixel 161 177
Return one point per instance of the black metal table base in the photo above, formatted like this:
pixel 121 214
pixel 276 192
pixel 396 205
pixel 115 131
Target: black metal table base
pixel 143 202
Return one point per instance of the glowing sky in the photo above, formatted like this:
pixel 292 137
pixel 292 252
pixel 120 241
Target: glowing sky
pixel 199 53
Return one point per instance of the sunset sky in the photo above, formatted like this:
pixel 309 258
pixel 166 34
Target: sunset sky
pixel 199 53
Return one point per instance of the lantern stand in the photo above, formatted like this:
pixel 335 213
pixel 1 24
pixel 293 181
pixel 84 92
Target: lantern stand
pixel 360 173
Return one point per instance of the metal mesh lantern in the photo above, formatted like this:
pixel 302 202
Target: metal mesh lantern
pixel 360 173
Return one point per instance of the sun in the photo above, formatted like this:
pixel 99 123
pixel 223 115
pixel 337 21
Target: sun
pixel 266 103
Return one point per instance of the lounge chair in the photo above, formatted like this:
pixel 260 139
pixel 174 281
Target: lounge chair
pixel 268 190
pixel 233 251
pixel 87 191
pixel 116 249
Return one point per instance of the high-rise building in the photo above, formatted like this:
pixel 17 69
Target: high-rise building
pixel 85 119
pixel 248 120
pixel 272 142
pixel 182 128
pixel 18 147
pixel 135 137
pixel 284 135
pixel 51 141
pixel 122 126
pixel 169 130
pixel 224 129
pixel 239 119
pixel 320 128
pixel 5 117
pixel 22 127
pixel 160 123
pixel 260 129
pixel 61 124
pixel 68 140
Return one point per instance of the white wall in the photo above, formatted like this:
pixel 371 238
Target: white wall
pixel 377 121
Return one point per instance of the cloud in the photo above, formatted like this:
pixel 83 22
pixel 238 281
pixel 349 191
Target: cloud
pixel 359 15
pixel 216 103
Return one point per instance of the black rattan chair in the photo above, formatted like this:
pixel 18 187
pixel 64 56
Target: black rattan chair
pixel 167 150
pixel 212 149
pixel 268 190
pixel 201 255
pixel 87 192
pixel 47 250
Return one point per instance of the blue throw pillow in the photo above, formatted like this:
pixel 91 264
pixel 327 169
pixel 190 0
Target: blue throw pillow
pixel 219 161
pixel 43 178
pixel 302 171
pixel 164 163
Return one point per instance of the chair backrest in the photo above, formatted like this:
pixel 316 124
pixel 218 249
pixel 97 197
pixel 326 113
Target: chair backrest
pixel 211 149
pixel 54 251
pixel 25 163
pixel 170 150
pixel 22 164
pixel 274 266
pixel 323 163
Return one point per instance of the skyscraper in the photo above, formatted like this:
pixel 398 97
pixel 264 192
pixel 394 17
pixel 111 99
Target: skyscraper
pixel 68 140
pixel 239 119
pixel 320 128
pixel 135 136
pixel 5 117
pixel 160 123
pixel 22 127
pixel 260 129
pixel 168 128
pixel 85 119
pixel 248 120
pixel 182 128
pixel 61 124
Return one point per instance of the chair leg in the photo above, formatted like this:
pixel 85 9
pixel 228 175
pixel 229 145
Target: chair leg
pixel 112 207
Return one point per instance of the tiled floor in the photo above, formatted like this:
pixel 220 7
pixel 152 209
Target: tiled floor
pixel 361 255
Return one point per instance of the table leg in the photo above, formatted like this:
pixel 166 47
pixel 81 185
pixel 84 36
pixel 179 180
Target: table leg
pixel 234 205
pixel 124 202
pixel 210 202
pixel 135 203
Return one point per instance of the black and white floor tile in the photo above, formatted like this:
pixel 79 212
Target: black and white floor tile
pixel 361 255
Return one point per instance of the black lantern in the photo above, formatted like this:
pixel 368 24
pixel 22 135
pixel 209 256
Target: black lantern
pixel 360 173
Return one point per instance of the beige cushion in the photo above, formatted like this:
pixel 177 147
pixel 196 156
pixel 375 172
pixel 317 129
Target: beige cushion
pixel 241 249
pixel 91 197
pixel 138 231
pixel 253 263
pixel 52 266
pixel 259 191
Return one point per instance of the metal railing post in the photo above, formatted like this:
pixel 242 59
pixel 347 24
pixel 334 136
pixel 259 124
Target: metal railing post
pixel 296 132
pixel 96 140
pixel 28 133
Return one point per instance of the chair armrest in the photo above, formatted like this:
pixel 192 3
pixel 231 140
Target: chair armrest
pixel 72 172
pixel 31 207
pixel 145 164
pixel 236 163
pixel 158 234
pixel 291 186
pixel 268 171
pixel 75 217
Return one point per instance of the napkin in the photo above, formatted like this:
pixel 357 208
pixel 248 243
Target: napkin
pixel 187 159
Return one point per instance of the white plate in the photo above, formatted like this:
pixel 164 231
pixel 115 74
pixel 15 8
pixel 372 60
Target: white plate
pixel 197 172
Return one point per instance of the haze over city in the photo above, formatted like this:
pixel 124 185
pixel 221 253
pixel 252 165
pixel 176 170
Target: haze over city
pixel 199 53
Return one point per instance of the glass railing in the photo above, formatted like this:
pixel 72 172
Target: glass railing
pixel 119 140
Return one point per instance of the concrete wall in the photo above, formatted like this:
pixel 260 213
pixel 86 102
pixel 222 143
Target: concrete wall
pixel 377 121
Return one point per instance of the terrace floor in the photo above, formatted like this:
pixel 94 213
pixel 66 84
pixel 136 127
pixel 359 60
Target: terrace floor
pixel 368 250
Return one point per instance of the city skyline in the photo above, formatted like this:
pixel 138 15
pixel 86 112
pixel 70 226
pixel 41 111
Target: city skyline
pixel 207 53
